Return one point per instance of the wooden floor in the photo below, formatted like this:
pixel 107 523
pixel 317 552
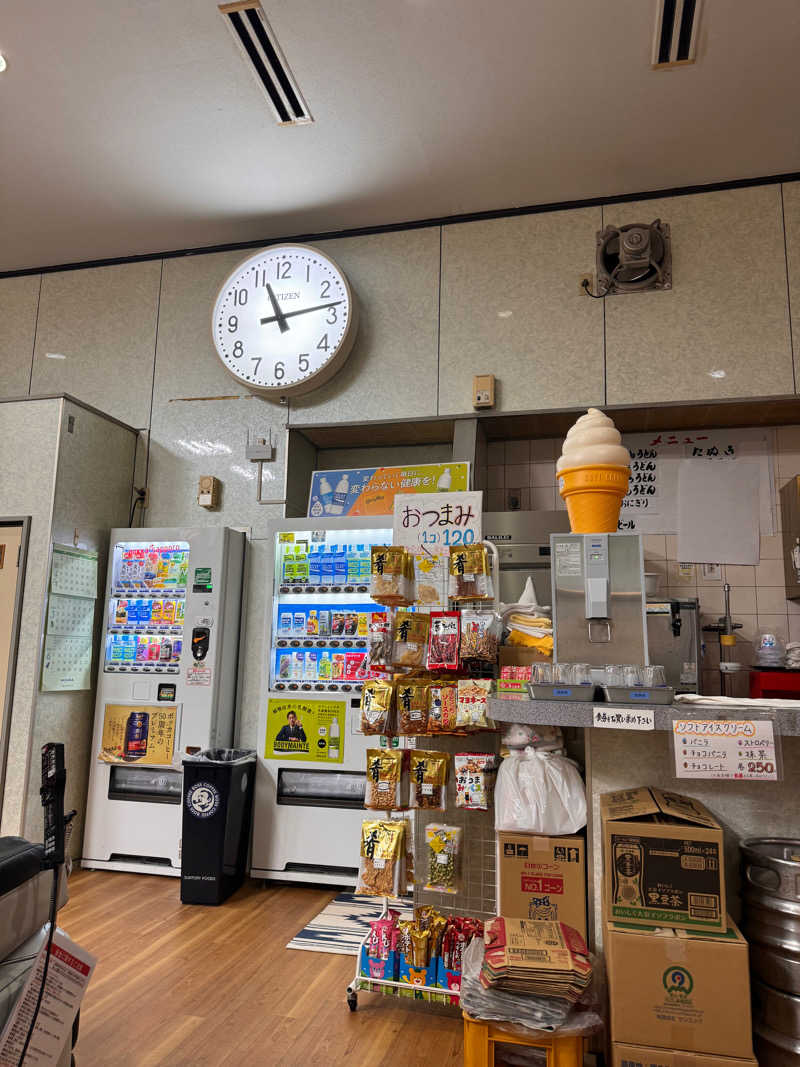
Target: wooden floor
pixel 215 987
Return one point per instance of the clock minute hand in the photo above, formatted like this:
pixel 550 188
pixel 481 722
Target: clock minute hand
pixel 279 316
pixel 302 311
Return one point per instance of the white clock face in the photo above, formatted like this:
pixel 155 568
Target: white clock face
pixel 284 320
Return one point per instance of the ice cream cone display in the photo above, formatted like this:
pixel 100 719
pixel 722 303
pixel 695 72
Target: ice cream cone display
pixel 593 473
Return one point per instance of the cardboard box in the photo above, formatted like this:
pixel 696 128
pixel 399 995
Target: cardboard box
pixel 639 1056
pixel 671 989
pixel 663 861
pixel 542 878
pixel 519 656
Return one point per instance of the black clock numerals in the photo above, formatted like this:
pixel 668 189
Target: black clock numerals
pixel 279 371
pixel 325 290
pixel 238 350
pixel 323 342
pixel 233 323
pixel 240 297
pixel 257 360
pixel 331 318
pixel 283 270
pixel 303 362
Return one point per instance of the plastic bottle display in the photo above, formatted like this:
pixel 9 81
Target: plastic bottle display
pixel 327 566
pixel 315 566
pixel 339 496
pixel 340 566
pixel 445 480
pixel 326 494
pixel 333 740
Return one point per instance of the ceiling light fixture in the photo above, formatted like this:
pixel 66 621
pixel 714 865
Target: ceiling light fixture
pixel 3 63
pixel 717 374
pixel 504 314
pixel 54 355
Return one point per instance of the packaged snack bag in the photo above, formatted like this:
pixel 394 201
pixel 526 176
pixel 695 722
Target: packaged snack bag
pixel 475 775
pixel 473 697
pixel 470 573
pixel 379 641
pixel 410 638
pixel 411 700
pixel 480 635
pixel 392 576
pixel 442 707
pixel 444 857
pixel 380 865
pixel 384 779
pixel 429 779
pixel 444 639
pixel 376 706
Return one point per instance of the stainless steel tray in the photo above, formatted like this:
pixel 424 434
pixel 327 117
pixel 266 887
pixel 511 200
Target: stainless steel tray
pixel 561 692
pixel 640 694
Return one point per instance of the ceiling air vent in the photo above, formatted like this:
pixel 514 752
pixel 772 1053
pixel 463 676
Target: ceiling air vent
pixel 675 41
pixel 255 38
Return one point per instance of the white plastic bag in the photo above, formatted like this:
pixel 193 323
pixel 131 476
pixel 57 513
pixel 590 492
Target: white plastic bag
pixel 540 793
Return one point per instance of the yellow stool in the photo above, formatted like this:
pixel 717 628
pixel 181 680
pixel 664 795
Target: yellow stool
pixel 480 1038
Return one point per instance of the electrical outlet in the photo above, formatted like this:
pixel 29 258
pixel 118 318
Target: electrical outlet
pixel 483 391
pixel 712 572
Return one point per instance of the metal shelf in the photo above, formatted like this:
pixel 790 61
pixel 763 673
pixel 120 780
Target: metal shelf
pixel 576 713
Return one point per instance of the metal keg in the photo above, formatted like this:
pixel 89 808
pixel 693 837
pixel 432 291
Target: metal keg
pixel 777 1028
pixel 771 917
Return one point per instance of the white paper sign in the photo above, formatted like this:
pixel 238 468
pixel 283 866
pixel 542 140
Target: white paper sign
pixel 68 975
pixel 725 748
pixel 718 511
pixel 633 718
pixel 437 519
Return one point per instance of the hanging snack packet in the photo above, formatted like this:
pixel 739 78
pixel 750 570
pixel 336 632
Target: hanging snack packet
pixel 444 641
pixel 379 642
pixel 412 708
pixel 376 706
pixel 381 849
pixel 475 774
pixel 384 779
pixel 442 707
pixel 470 573
pixel 429 779
pixel 430 575
pixel 392 576
pixel 480 635
pixel 444 855
pixel 408 839
pixel 473 702
pixel 411 630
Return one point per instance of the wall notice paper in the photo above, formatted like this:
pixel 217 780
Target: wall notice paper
pixel 70 616
pixel 742 749
pixel 371 490
pixel 68 975
pixel 431 520
pixel 624 718
pixel 309 730
pixel 651 505
pixel 73 572
pixel 718 511
pixel 67 663
pixel 139 733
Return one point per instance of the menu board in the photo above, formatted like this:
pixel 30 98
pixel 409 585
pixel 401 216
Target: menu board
pixel 741 749
pixel 651 505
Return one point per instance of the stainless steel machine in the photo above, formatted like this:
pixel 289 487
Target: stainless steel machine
pixel 599 605
pixel 674 640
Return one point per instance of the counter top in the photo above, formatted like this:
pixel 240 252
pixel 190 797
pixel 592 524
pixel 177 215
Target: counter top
pixel 579 713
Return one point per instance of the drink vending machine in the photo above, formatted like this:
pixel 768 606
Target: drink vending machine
pixel 312 755
pixel 167 685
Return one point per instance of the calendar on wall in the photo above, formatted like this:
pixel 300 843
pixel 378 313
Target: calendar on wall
pixel 69 623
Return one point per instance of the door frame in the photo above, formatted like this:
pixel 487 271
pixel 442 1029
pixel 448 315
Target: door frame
pixel 24 523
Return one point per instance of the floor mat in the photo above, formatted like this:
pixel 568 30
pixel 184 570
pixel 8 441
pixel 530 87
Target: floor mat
pixel 343 924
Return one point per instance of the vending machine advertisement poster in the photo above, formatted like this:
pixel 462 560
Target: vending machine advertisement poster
pixel 312 731
pixel 371 490
pixel 139 733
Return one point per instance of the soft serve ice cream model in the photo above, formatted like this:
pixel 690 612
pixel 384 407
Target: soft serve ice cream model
pixel 593 473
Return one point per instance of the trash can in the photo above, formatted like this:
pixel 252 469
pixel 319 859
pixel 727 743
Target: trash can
pixel 217 806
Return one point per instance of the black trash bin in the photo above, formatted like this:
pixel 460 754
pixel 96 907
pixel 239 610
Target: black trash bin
pixel 217 806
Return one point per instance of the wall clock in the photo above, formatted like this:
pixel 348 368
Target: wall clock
pixel 285 320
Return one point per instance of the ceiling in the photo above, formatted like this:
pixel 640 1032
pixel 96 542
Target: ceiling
pixel 133 126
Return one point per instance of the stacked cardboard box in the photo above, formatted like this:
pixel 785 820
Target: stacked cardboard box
pixel 542 878
pixel 679 982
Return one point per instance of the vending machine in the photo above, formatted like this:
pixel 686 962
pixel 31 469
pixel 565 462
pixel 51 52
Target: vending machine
pixel 166 686
pixel 312 756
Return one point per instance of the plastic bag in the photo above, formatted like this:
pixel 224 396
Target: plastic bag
pixel 474 775
pixel 429 779
pixel 470 573
pixel 412 707
pixel 480 635
pixel 472 708
pixel 382 859
pixel 384 790
pixel 377 697
pixel 523 735
pixel 442 707
pixel 444 857
pixel 540 793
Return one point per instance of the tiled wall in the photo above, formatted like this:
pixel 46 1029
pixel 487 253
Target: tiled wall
pixel 521 476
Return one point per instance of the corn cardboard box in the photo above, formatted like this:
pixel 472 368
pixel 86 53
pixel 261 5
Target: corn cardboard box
pixel 638 1056
pixel 542 878
pixel 671 989
pixel 663 861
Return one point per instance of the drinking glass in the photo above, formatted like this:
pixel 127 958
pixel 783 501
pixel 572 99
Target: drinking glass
pixel 563 673
pixel 542 674
pixel 613 675
pixel 581 674
pixel 631 675
pixel 654 677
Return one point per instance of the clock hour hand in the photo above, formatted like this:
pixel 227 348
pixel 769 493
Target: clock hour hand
pixel 303 311
pixel 279 316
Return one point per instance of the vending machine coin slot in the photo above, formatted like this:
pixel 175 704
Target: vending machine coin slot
pixel 200 638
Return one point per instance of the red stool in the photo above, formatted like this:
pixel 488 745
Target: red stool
pixel 780 685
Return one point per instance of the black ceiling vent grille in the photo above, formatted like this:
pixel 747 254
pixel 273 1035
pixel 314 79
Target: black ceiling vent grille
pixel 675 39
pixel 254 36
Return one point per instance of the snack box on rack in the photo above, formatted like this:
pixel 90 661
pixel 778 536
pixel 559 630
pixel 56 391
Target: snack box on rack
pixel 450 980
pixel 641 1056
pixel 676 989
pixel 663 860
pixel 417 976
pixel 542 878
pixel 385 970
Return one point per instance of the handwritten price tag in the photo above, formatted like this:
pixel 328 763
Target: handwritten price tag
pixel 437 520
pixel 741 749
